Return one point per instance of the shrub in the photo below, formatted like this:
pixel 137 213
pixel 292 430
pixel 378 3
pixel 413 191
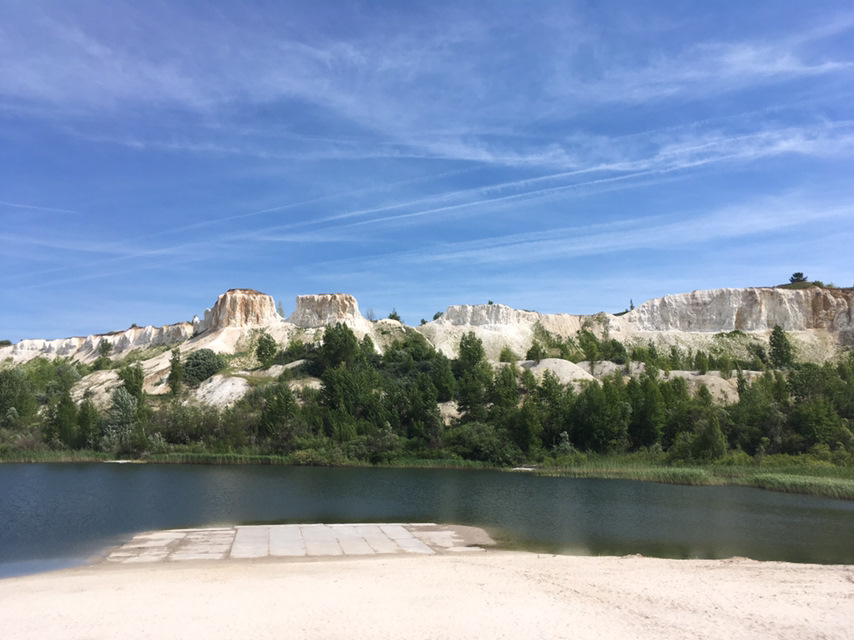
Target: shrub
pixel 266 350
pixel 507 355
pixel 201 365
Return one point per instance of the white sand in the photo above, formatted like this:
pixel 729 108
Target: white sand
pixel 493 594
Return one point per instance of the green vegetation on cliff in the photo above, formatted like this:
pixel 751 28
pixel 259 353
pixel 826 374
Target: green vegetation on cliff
pixel 390 409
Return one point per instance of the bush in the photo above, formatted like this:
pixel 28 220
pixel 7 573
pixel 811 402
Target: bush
pixel 201 365
pixel 507 355
pixel 266 350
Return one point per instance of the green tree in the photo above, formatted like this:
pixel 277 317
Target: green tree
pixel 133 378
pixel 266 350
pixel 701 362
pixel 780 348
pixel 648 412
pixel 525 427
pixel 87 425
pixel 443 378
pixel 394 315
pixel 16 392
pixel 507 355
pixel 340 346
pixel 797 277
pixel 62 421
pixel 537 352
pixel 122 432
pixel 103 361
pixel 201 365
pixel 176 373
pixel 277 416
pixel 600 416
pixel 474 378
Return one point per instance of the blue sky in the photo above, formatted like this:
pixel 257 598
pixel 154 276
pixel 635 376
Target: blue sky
pixel 556 156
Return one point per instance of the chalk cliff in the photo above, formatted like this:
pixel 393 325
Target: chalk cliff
pixel 86 348
pixel 320 310
pixel 243 308
pixel 820 318
pixel 751 309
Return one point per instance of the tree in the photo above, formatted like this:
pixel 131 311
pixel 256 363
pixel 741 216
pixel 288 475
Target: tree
pixel 62 421
pixel 474 377
pixel 201 365
pixel 340 346
pixel 16 393
pixel 87 425
pixel 797 277
pixel 133 379
pixel 536 352
pixel 121 432
pixel 103 360
pixel 176 372
pixel 781 348
pixel 266 350
pixel 648 415
pixel 394 315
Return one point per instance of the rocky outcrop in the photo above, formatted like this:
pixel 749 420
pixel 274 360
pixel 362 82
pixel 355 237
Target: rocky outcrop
pixel 320 310
pixel 497 326
pixel 85 349
pixel 822 318
pixel 751 309
pixel 479 315
pixel 240 308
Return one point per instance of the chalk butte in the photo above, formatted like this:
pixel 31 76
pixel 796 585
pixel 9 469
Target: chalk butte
pixel 819 319
pixel 243 308
pixel 320 310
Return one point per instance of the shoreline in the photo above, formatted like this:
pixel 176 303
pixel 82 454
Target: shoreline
pixel 819 481
pixel 494 593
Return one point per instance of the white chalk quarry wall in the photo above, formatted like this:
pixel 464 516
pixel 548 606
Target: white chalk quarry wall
pixel 85 349
pixel 751 309
pixel 240 308
pixel 320 310
pixel 687 319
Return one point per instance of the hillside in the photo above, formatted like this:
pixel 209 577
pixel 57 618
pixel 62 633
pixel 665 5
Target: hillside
pixel 820 323
pixel 730 374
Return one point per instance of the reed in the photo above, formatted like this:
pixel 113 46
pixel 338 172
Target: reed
pixel 807 478
pixel 53 456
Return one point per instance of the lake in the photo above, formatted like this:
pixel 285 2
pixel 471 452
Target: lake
pixel 60 515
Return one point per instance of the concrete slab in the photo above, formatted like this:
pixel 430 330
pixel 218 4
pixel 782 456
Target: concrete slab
pixel 286 540
pixel 283 541
pixel 251 542
pixel 377 539
pixel 320 540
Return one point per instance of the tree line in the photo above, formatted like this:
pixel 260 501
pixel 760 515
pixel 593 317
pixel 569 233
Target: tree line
pixel 381 408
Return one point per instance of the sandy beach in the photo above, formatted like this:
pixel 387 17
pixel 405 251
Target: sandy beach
pixel 491 594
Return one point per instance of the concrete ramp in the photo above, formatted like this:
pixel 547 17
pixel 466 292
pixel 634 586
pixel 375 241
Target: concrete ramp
pixel 299 541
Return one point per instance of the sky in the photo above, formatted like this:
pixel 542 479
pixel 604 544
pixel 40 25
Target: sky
pixel 556 156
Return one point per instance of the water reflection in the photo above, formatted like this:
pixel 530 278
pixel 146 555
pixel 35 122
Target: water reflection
pixel 56 512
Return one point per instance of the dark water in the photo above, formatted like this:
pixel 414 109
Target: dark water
pixel 57 515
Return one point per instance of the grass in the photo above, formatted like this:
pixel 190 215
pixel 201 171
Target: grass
pixel 53 456
pixel 810 478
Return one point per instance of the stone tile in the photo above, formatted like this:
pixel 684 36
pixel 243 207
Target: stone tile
pixel 320 540
pixel 286 540
pixel 251 542
pixel 377 539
